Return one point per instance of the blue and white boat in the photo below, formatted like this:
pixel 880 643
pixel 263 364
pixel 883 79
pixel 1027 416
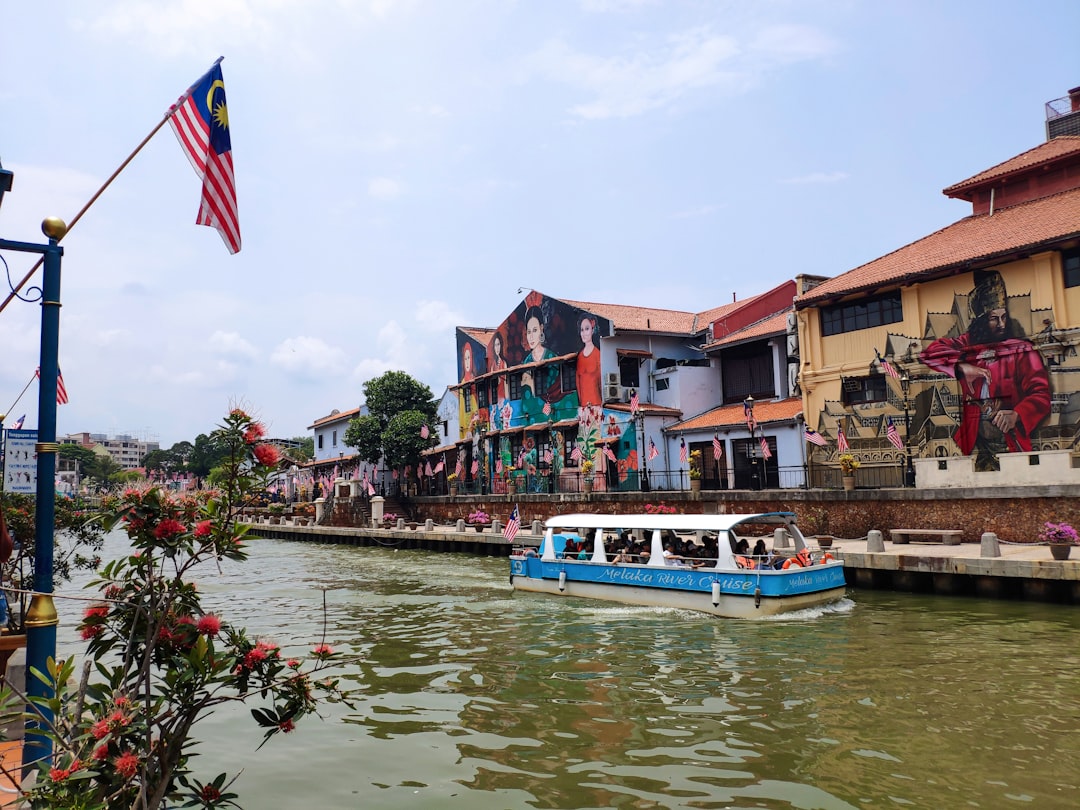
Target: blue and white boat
pixel 730 584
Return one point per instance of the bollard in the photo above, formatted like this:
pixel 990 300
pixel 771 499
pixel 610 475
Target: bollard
pixel 460 527
pixel 990 546
pixel 496 527
pixel 320 508
pixel 429 525
pixel 875 542
pixel 401 523
pixel 781 538
pixel 537 527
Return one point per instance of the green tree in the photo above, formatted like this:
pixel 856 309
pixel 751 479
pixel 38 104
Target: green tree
pixel 206 454
pixel 306 450
pixel 398 407
pixel 101 467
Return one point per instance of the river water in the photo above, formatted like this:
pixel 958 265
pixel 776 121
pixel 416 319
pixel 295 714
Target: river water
pixel 472 696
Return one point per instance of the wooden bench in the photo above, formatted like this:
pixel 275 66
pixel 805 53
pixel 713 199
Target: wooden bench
pixel 949 537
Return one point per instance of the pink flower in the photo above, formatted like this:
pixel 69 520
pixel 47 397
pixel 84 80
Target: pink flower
pixel 267 454
pixel 292 663
pixel 126 764
pixel 255 432
pixel 100 729
pixel 168 528
pixel 209 625
pixel 323 651
pixel 202 528
pixel 286 726
pixel 254 657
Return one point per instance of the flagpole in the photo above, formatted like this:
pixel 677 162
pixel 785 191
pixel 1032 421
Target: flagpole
pixel 20 396
pixel 74 220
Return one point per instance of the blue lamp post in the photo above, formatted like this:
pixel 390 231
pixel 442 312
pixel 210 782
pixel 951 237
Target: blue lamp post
pixel 41 618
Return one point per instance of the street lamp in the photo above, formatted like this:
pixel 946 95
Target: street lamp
pixel 748 406
pixel 644 453
pixel 905 386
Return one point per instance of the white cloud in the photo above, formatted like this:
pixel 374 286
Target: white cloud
pixel 816 178
pixel 437 316
pixel 385 188
pixel 308 357
pixel 231 344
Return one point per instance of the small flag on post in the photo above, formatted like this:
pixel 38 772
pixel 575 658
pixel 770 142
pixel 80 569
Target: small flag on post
pixel 684 456
pixel 438 468
pixel 498 466
pixel 886 366
pixel 633 402
pixel 513 525
pixel 814 437
pixel 458 468
pixel 475 466
pixel 717 447
pixel 841 440
pixel 748 412
pixel 765 451
pixel 370 490
pixel 424 431
pixel 653 452
pixel 200 121
pixel 892 434
pixel 18 423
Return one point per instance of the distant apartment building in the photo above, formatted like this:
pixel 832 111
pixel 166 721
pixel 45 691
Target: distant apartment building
pixel 125 450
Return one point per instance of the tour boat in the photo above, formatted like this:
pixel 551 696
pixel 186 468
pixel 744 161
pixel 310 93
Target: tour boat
pixel 730 584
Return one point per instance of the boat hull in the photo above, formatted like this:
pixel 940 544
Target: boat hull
pixel 741 594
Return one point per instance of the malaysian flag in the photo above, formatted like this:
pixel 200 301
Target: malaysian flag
pixel 609 454
pixel 765 451
pixel 633 402
pixel 200 120
pixel 61 389
pixel 427 469
pixel 498 466
pixel 459 468
pixel 424 431
pixel 886 366
pixel 814 437
pixel 748 412
pixel 370 490
pixel 475 466
pixel 841 440
pixel 547 409
pixel 18 423
pixel 438 468
pixel 653 452
pixel 717 447
pixel 684 456
pixel 513 525
pixel 892 434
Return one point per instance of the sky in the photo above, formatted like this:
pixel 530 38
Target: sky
pixel 404 167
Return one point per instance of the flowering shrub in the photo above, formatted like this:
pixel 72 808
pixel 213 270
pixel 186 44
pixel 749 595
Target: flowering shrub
pixel 390 517
pixel 695 464
pixel 479 516
pixel 659 509
pixel 1059 533
pixel 163 661
pixel 848 463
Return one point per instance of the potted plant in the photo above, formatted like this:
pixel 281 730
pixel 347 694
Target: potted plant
pixel 452 481
pixel 479 519
pixel 276 511
pixel 695 471
pixel 848 465
pixel 587 468
pixel 1061 537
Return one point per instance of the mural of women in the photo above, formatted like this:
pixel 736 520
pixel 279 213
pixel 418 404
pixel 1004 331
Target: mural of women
pixel 588 364
pixel 536 350
pixel 498 363
pixel 467 372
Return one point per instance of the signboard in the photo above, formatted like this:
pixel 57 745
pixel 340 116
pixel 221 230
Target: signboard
pixel 20 461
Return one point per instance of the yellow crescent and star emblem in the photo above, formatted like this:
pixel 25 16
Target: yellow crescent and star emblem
pixel 220 113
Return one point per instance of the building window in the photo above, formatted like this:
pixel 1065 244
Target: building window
pixel 320 441
pixel 748 370
pixel 569 454
pixel 863 314
pixel 662 383
pixel 482 395
pixel 861 390
pixel 543 447
pixel 1070 262
pixel 569 377
pixel 445 428
pixel 514 386
pixel 629 376
pixel 467 393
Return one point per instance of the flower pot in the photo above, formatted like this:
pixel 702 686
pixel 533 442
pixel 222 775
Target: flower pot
pixel 479 526
pixel 453 490
pixel 1060 551
pixel 824 540
pixel 695 485
pixel 849 483
pixel 586 486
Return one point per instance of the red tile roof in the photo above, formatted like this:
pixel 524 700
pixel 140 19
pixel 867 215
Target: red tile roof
pixel 481 334
pixel 640 319
pixel 1048 152
pixel 972 241
pixel 646 408
pixel 334 417
pixel 773 325
pixel 729 416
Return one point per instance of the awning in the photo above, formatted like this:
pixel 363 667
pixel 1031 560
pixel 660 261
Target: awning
pixel 641 353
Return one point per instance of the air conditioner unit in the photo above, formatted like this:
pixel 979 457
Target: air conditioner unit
pixel 624 395
pixel 612 378
pixel 613 392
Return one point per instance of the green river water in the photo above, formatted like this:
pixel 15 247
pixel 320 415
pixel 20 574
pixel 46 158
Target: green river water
pixel 472 696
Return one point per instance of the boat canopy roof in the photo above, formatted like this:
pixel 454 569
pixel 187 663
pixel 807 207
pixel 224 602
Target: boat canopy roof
pixel 684 523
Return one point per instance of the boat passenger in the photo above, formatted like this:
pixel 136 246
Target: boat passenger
pixel 622 557
pixel 670 558
pixel 582 553
pixel 759 548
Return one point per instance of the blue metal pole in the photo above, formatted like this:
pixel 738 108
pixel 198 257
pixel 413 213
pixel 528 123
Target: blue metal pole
pixel 41 617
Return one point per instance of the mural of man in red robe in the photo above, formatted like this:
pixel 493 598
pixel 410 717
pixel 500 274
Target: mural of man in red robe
pixel 1004 387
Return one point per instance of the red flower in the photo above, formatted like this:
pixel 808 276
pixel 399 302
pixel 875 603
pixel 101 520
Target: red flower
pixel 238 413
pixel 59 774
pixel 100 729
pixel 267 454
pixel 168 528
pixel 89 631
pixel 209 625
pixel 126 764
pixel 113 592
pixel 292 663
pixel 255 432
pixel 254 657
pixel 323 650
pixel 101 753
pixel 202 528
pixel 96 612
pixel 122 702
pixel 209 794
pixel 286 726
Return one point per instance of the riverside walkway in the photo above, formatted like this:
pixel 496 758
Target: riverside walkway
pixel 991 569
